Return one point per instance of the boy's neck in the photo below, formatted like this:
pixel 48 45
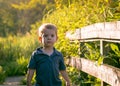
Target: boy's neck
pixel 48 50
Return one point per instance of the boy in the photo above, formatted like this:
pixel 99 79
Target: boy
pixel 47 61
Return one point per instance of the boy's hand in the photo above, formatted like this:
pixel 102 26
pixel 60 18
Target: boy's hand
pixel 29 84
pixel 65 76
pixel 68 84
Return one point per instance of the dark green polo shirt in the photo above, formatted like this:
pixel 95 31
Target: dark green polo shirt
pixel 47 67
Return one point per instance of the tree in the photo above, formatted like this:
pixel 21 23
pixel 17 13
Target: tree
pixel 17 15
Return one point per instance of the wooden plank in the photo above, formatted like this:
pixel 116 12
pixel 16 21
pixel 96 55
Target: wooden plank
pixel 106 73
pixel 106 40
pixel 107 30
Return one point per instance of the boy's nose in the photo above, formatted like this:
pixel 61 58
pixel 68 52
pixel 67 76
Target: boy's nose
pixel 49 37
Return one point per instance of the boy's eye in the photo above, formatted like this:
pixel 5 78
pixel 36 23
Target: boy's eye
pixel 45 35
pixel 52 35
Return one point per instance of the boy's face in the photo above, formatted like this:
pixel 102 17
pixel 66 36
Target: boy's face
pixel 48 37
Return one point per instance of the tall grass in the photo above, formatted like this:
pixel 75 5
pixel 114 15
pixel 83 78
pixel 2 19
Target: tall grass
pixel 15 52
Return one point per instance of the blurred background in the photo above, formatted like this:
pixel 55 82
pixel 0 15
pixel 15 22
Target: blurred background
pixel 20 19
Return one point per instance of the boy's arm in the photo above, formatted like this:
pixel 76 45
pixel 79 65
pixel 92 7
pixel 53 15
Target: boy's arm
pixel 30 74
pixel 65 76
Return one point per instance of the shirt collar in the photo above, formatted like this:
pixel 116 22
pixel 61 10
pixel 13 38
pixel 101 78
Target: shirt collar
pixel 39 51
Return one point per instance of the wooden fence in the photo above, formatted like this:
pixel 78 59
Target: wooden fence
pixel 106 73
pixel 107 31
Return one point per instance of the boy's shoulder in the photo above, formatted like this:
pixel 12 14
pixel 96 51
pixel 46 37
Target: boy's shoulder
pixel 37 51
pixel 57 52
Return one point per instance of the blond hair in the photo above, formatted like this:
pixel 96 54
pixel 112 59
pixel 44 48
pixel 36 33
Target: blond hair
pixel 46 26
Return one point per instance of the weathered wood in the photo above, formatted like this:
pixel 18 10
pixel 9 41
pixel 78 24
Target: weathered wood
pixel 106 73
pixel 102 51
pixel 107 40
pixel 106 30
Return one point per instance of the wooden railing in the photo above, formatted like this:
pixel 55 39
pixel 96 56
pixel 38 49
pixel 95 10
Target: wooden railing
pixel 103 32
pixel 106 30
pixel 106 73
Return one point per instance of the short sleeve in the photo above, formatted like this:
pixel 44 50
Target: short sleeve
pixel 62 64
pixel 32 63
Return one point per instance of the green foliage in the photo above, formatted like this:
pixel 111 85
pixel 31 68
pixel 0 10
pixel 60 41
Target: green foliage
pixel 115 49
pixel 2 75
pixel 15 52
pixel 7 18
pixel 16 16
pixel 92 51
pixel 66 15
pixel 113 57
pixel 74 75
pixel 80 78
pixel 30 4
pixel 18 67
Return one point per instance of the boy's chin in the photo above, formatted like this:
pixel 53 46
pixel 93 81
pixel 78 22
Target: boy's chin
pixel 50 45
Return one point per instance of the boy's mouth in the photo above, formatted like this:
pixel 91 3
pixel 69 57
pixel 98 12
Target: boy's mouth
pixel 48 41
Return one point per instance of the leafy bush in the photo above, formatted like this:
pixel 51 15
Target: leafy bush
pixel 113 57
pixel 11 68
pixel 22 65
pixel 2 75
pixel 15 52
pixel 68 15
pixel 18 67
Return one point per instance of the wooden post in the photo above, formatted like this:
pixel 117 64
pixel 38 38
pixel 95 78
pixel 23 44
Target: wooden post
pixel 102 52
pixel 80 49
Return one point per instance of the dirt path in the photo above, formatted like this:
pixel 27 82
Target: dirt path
pixel 13 81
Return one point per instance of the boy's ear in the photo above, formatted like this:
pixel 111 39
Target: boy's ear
pixel 57 38
pixel 40 39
